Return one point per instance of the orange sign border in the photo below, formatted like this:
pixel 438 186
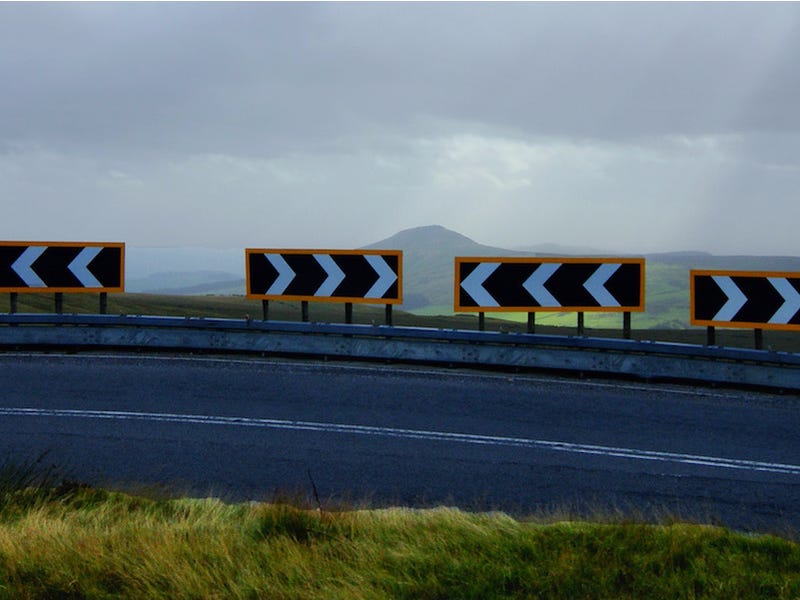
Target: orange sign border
pixel 736 324
pixel 339 299
pixel 549 259
pixel 71 290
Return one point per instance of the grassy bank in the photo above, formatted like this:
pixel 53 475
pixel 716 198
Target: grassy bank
pixel 72 541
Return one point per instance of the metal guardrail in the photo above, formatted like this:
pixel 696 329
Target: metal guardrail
pixel 641 359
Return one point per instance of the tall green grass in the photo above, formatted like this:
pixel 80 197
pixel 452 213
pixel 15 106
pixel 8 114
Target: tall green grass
pixel 81 542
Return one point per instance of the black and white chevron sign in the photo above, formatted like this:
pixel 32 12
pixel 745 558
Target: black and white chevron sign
pixel 745 299
pixel 361 276
pixel 549 284
pixel 61 267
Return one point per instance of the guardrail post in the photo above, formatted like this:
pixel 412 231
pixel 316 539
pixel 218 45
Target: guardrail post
pixel 531 322
pixel 759 339
pixel 581 328
pixel 626 325
pixel 389 314
pixel 103 303
pixel 59 303
pixel 481 321
pixel 304 311
pixel 348 313
pixel 12 302
pixel 711 336
pixel 265 310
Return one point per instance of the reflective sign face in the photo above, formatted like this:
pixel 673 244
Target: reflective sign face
pixel 549 284
pixel 359 276
pixel 762 300
pixel 48 267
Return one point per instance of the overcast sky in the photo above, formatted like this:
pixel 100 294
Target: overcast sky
pixel 626 127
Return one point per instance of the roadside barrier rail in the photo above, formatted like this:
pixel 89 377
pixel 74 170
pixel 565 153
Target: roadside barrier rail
pixel 647 360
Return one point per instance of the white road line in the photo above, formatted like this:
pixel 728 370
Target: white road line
pixel 392 432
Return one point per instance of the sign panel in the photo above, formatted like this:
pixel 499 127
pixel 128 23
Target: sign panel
pixel 761 300
pixel 549 284
pixel 358 276
pixel 48 267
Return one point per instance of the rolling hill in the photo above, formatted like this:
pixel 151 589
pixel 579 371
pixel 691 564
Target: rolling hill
pixel 428 271
pixel 428 256
pixel 428 263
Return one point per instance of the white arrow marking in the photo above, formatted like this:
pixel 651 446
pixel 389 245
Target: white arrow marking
pixel 596 284
pixel 22 266
pixel 80 267
pixel 791 299
pixel 535 284
pixel 285 274
pixel 386 276
pixel 736 299
pixel 473 284
pixel 335 275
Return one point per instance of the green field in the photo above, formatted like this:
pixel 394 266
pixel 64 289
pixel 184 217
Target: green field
pixel 74 541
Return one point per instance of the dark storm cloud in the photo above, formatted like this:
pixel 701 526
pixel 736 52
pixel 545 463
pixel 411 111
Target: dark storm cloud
pixel 267 77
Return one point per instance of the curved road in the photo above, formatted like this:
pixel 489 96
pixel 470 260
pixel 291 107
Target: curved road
pixel 257 428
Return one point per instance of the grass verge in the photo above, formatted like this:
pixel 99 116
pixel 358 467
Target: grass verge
pixel 74 541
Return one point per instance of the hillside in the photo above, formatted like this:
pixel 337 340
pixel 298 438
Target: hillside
pixel 428 271
pixel 428 262
pixel 428 255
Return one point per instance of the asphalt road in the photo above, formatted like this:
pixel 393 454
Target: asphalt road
pixel 259 429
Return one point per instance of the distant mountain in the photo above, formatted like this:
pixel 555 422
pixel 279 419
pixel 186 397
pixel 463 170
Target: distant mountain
pixel 188 283
pixel 559 250
pixel 703 260
pixel 429 261
pixel 141 263
pixel 428 272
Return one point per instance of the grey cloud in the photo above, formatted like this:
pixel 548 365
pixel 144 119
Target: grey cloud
pixel 274 77
pixel 340 123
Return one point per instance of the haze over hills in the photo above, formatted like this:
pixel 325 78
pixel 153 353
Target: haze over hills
pixel 428 271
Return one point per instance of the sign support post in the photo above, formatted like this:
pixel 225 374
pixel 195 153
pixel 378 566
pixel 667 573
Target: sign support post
pixel 103 303
pixel 59 303
pixel 304 311
pixel 581 328
pixel 265 310
pixel 348 313
pixel 759 338
pixel 388 314
pixel 13 302
pixel 626 325
pixel 531 322
pixel 711 336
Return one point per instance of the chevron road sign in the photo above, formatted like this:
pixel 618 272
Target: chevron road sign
pixel 745 299
pixel 57 267
pixel 355 276
pixel 549 284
